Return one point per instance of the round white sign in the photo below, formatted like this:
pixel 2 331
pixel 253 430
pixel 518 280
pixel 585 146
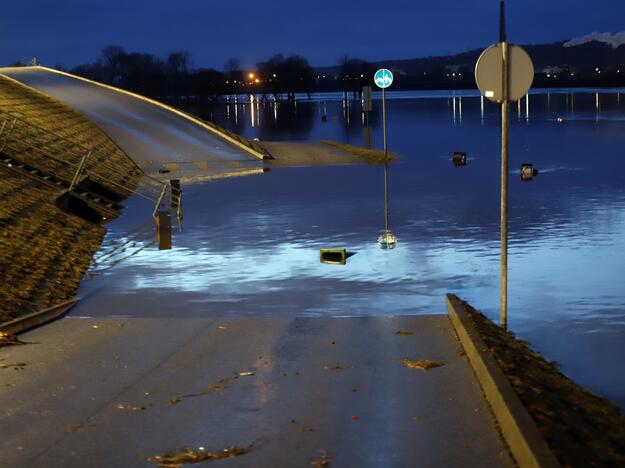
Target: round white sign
pixel 489 70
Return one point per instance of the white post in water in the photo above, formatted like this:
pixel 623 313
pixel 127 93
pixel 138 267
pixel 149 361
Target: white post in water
pixel 385 161
pixel 383 78
pixel 504 73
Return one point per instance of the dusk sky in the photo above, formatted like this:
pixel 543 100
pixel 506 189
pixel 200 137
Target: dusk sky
pixel 70 32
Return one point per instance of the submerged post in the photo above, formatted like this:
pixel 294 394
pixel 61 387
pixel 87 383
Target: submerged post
pixel 505 112
pixel 367 107
pixel 385 162
pixel 504 73
pixel 383 78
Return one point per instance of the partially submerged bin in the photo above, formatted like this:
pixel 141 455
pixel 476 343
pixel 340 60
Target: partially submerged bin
pixel 333 256
pixel 459 158
pixel 528 172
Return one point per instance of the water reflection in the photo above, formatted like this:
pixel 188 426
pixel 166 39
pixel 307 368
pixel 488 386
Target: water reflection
pixel 387 238
pixel 254 249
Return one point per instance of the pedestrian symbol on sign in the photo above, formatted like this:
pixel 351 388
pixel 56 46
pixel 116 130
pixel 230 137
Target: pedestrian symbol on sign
pixel 383 78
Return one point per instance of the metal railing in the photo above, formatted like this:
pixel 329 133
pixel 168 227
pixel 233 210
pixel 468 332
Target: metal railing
pixel 68 160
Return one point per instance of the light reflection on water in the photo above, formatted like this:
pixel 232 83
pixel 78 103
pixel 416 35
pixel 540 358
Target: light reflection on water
pixel 251 245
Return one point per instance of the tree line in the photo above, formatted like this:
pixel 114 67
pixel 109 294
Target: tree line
pixel 173 76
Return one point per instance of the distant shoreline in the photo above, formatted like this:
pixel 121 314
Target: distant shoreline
pixel 243 98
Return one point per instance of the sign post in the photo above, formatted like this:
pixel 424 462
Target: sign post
pixel 367 107
pixel 504 73
pixel 383 78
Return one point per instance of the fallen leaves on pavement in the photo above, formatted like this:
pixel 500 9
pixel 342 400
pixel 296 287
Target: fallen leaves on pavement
pixel 189 455
pixel 421 364
pixel 7 339
pixel 15 366
pixel 179 398
pixel 213 388
pixel 324 460
pixel 337 367
pixel 130 407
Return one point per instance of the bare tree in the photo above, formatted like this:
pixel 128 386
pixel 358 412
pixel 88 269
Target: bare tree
pixel 111 58
pixel 178 62
pixel 232 65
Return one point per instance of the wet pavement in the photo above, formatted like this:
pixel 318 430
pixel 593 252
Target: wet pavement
pixel 152 136
pixel 294 391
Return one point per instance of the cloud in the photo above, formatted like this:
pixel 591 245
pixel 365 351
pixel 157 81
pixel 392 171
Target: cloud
pixel 615 40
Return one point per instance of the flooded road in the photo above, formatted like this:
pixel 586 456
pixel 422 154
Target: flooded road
pixel 111 392
pixel 153 136
pixel 250 246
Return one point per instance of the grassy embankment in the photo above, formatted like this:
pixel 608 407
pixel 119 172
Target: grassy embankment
pixel 581 428
pixel 44 252
pixel 371 156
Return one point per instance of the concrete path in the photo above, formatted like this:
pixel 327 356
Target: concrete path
pixel 152 136
pixel 94 392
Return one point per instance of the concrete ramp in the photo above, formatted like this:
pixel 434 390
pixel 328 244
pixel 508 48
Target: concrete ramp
pixel 154 135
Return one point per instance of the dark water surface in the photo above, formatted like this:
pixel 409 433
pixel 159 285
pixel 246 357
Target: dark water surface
pixel 251 245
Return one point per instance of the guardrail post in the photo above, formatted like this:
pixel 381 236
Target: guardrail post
pixel 4 124
pixel 159 201
pixel 163 230
pixel 176 196
pixel 79 171
pixel 6 140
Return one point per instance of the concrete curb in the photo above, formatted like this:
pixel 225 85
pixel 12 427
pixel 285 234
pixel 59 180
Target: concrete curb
pixel 525 442
pixel 36 319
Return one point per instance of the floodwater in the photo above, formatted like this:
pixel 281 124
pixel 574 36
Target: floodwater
pixel 250 245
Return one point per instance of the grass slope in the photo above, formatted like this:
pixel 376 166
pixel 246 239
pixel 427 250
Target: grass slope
pixel 582 429
pixel 44 252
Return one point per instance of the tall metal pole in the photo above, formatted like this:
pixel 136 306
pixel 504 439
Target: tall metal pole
pixel 505 110
pixel 385 163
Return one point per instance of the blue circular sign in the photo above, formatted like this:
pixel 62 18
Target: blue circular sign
pixel 383 78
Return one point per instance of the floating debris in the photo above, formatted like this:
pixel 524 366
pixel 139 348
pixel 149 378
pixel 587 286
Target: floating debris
pixel 459 158
pixel 324 459
pixel 422 364
pixel 528 172
pixel 246 374
pixel 404 332
pixel 189 455
pixel 337 367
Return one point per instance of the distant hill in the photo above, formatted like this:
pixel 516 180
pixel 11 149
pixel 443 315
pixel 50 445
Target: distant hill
pixel 579 61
